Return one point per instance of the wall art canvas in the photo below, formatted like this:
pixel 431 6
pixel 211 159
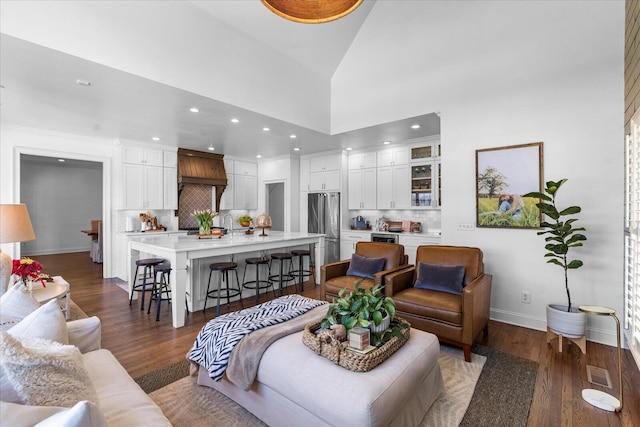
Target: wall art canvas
pixel 503 175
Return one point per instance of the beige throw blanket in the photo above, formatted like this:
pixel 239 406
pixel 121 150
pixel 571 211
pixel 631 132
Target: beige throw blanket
pixel 245 357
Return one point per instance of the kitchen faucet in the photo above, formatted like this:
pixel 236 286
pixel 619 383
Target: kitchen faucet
pixel 224 223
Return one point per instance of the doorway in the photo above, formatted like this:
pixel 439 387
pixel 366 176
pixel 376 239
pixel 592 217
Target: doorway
pixel 63 197
pixel 274 205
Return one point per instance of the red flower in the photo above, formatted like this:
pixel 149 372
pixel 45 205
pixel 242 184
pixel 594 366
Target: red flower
pixel 26 267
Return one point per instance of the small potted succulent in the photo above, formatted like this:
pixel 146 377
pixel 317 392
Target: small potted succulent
pixel 562 235
pixel 245 220
pixel 367 308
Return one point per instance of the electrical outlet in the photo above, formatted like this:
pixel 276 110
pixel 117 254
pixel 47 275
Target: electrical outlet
pixel 525 298
pixel 466 226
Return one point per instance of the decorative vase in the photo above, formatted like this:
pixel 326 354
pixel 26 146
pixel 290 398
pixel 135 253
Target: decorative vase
pixel 383 326
pixel 205 228
pixel 570 324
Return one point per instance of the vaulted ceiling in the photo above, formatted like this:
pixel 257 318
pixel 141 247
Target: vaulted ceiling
pixel 43 87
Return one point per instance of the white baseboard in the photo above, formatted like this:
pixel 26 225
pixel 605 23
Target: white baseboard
pixel 53 251
pixel 600 336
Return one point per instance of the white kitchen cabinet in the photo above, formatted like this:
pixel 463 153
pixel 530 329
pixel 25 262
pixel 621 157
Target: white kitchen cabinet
pixel 170 196
pixel 348 242
pixel 393 156
pixel 242 186
pixel 393 187
pixel 324 181
pixel 362 160
pixel 170 159
pixel 143 187
pixel 143 156
pixel 362 188
pixel 412 241
pixel 324 172
pixel 245 192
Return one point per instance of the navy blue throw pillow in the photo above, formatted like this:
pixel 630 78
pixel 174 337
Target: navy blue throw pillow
pixel 443 278
pixel 365 267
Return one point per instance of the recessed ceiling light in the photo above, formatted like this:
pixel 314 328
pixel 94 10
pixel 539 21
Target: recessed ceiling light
pixel 415 126
pixel 296 149
pixel 61 160
pixel 211 147
pixel 194 110
pixel 234 120
pixel 82 82
pixel 258 156
pixel 348 148
pixel 266 129
pixel 292 136
pixel 155 138
pixel 386 142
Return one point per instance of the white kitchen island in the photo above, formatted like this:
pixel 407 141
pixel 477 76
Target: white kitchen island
pixel 185 253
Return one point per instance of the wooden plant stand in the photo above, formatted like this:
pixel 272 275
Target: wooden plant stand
pixel 581 342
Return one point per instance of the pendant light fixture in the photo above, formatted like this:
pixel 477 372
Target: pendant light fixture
pixel 312 11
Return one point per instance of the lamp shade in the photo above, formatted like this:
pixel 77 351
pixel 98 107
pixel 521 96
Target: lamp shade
pixel 15 224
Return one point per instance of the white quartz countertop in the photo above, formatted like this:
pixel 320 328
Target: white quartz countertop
pixel 181 242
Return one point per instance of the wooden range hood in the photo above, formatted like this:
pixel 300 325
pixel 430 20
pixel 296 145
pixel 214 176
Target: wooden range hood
pixel 200 168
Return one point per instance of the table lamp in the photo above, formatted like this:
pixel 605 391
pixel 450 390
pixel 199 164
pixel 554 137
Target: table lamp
pixel 15 226
pixel 598 398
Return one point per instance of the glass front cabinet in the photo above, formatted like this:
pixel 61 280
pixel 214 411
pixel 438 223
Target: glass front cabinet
pixel 426 183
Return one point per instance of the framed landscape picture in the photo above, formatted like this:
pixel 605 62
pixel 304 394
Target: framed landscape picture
pixel 503 175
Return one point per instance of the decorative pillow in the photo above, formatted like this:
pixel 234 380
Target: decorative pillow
pixel 443 278
pixel 365 267
pixel 44 372
pixel 17 303
pixel 46 322
pixel 83 414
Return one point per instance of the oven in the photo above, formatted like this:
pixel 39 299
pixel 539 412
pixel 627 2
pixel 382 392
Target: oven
pixel 384 237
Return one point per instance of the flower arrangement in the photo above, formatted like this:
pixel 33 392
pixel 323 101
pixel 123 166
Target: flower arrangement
pixel 204 218
pixel 27 268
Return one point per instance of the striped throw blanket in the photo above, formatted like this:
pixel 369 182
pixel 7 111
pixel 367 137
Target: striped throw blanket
pixel 218 337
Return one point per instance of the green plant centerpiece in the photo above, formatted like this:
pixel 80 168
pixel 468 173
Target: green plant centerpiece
pixel 245 220
pixel 364 307
pixel 562 236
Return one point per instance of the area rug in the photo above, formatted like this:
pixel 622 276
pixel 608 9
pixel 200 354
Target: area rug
pixel 187 404
pixel 504 391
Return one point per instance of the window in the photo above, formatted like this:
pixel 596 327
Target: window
pixel 632 238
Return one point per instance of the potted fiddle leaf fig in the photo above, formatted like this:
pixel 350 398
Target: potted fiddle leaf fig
pixel 561 236
pixel 368 308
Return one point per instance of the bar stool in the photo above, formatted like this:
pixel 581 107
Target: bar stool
pixel 161 291
pixel 223 268
pixel 147 264
pixel 256 284
pixel 300 271
pixel 281 277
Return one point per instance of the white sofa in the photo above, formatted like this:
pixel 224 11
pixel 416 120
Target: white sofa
pixel 120 401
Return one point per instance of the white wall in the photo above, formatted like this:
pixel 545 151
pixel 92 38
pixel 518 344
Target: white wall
pixel 284 169
pixel 505 73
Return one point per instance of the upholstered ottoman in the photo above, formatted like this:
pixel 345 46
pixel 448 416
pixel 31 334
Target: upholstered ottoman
pixel 295 386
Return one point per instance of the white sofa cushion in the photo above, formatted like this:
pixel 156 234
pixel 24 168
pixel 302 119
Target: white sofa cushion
pixel 15 305
pixel 82 414
pixel 122 401
pixel 46 322
pixel 45 372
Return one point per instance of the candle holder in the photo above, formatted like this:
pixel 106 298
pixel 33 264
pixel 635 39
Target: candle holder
pixel 598 398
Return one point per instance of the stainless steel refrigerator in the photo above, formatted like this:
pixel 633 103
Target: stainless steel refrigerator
pixel 324 217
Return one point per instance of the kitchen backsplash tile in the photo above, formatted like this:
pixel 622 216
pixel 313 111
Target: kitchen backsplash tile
pixel 193 197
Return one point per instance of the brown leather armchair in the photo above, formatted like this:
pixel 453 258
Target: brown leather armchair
pixel 333 276
pixel 454 319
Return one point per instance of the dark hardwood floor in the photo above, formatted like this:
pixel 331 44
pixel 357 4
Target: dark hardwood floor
pixel 142 345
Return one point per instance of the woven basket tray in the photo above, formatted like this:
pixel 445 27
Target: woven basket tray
pixel 338 354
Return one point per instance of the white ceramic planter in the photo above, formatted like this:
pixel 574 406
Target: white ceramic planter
pixel 383 326
pixel 569 324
